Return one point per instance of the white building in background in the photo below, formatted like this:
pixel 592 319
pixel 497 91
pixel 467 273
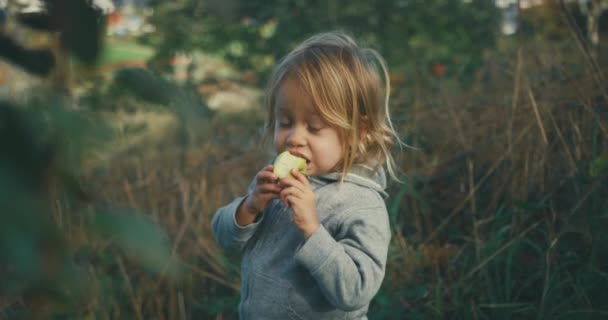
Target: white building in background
pixel 125 17
pixel 106 6
pixel 510 13
pixel 30 6
pixel 511 8
pixel 15 83
pixel 129 19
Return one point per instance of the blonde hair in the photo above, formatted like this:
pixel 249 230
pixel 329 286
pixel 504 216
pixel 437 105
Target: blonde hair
pixel 349 85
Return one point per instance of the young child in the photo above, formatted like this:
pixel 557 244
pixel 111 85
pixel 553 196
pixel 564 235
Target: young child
pixel 315 246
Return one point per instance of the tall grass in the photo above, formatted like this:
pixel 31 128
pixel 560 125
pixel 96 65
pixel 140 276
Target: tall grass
pixel 502 214
pixel 181 188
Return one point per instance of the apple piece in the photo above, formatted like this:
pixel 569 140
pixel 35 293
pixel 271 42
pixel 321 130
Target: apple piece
pixel 285 162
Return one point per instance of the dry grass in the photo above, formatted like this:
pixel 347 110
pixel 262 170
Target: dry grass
pixel 529 127
pixel 180 188
pixel 527 133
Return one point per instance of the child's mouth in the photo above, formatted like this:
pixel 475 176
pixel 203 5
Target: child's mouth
pixel 299 155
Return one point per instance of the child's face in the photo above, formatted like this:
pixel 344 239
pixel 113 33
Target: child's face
pixel 301 130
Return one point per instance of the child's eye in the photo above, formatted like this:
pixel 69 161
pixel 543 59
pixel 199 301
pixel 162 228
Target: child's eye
pixel 283 123
pixel 315 129
pixel 316 125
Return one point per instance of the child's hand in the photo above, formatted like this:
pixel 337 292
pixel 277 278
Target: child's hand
pixel 265 190
pixel 297 194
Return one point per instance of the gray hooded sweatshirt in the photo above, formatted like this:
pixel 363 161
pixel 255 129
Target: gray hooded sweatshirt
pixel 332 275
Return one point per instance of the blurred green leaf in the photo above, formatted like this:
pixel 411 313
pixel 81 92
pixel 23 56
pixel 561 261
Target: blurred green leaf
pixel 598 167
pixel 37 61
pixel 145 85
pixel 82 28
pixel 138 236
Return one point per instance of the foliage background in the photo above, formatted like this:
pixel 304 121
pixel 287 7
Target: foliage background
pixel 114 160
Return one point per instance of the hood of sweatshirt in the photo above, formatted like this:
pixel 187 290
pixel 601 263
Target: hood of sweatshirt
pixel 363 175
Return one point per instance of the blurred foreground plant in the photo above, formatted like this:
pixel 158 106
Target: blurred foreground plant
pixel 53 261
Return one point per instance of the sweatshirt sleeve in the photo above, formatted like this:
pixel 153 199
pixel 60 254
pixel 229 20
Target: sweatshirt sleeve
pixel 349 269
pixel 227 232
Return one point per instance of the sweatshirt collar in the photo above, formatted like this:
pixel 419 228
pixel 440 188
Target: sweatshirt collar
pixel 360 174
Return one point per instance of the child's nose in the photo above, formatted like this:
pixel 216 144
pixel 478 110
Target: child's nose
pixel 296 136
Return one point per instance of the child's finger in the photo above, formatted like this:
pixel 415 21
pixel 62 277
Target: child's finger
pixel 266 176
pixel 291 192
pixel 289 183
pixel 299 176
pixel 269 196
pixel 270 188
pixel 283 198
pixel 283 193
pixel 295 183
